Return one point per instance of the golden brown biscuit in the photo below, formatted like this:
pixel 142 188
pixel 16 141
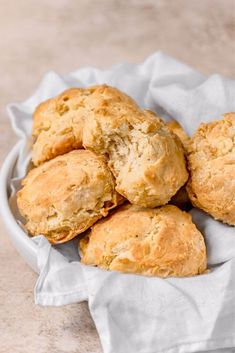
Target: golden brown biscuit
pixel 211 161
pixel 65 196
pixel 155 242
pixel 146 159
pixel 57 126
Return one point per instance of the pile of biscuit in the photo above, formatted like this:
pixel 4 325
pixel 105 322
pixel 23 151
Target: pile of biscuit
pixel 112 173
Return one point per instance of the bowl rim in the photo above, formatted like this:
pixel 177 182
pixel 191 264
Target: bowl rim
pixel 23 243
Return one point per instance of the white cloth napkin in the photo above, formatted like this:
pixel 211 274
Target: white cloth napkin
pixel 137 314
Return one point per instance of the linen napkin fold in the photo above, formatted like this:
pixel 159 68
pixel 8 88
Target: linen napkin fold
pixel 137 314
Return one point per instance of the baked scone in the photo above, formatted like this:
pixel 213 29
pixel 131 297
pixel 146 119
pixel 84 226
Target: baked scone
pixel 211 161
pixel 146 159
pixel 154 242
pixel 58 125
pixel 65 196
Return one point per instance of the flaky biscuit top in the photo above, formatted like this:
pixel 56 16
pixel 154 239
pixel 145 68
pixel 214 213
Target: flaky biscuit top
pixel 63 197
pixel 211 161
pixel 155 242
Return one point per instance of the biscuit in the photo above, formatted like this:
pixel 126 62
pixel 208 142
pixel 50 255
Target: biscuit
pixel 211 161
pixel 154 242
pixel 57 125
pixel 65 196
pixel 146 159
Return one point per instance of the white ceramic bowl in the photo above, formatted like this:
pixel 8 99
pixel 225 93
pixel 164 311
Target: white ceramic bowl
pixel 26 247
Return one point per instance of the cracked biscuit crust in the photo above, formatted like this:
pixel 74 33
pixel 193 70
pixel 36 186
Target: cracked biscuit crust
pixel 146 159
pixel 154 242
pixel 65 196
pixel 211 160
pixel 58 125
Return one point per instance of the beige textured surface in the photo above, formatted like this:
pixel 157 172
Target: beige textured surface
pixel 65 35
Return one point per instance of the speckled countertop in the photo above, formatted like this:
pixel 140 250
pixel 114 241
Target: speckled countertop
pixel 63 35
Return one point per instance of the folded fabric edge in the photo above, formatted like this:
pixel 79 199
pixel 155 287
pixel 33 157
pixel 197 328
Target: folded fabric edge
pixel 60 299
